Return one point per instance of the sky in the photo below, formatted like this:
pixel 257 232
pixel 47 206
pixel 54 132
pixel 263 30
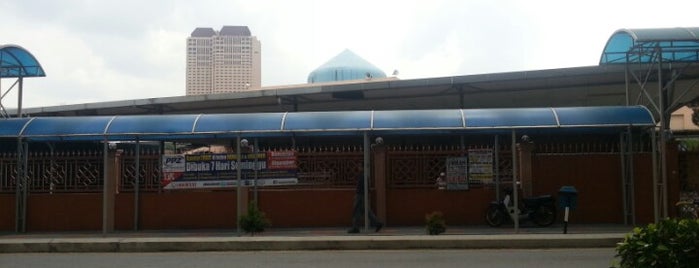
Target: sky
pixel 97 51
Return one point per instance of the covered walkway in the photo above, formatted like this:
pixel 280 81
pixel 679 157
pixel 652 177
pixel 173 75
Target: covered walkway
pixel 367 124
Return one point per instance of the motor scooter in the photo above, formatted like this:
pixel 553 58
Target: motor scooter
pixel 540 209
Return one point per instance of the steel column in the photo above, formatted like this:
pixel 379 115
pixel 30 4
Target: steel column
pixel 515 195
pixel 105 160
pixel 654 145
pixel 662 99
pixel 622 157
pixel 367 173
pixel 497 168
pixel 21 187
pixel 257 167
pixel 19 221
pixel 25 183
pixel 19 97
pixel 137 185
pixel 238 195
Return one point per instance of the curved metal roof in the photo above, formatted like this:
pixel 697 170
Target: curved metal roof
pixel 190 126
pixel 16 61
pixel 677 45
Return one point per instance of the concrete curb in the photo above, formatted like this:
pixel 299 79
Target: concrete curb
pixel 151 244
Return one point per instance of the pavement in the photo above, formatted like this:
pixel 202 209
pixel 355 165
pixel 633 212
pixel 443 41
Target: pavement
pixel 458 237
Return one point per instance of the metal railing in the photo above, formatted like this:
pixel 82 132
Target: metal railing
pixel 318 166
pixel 65 171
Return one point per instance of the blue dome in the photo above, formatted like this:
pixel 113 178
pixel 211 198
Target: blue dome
pixel 345 66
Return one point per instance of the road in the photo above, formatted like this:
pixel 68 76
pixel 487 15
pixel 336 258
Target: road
pixel 535 258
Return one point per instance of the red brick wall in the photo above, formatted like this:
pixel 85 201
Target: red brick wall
pixel 123 211
pixel 188 210
pixel 643 173
pixel 64 212
pixel 409 206
pixel 7 212
pixel 598 181
pixel 307 207
pixel 596 177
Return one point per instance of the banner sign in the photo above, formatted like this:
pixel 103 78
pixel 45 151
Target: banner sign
pixel 221 170
pixel 457 173
pixel 480 165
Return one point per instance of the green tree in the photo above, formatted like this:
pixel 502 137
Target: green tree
pixel 669 243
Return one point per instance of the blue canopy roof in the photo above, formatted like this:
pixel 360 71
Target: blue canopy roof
pixel 11 127
pixel 190 126
pixel 220 123
pixel 638 45
pixel 16 61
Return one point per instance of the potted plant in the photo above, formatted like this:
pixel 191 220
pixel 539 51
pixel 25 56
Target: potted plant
pixel 435 223
pixel 254 221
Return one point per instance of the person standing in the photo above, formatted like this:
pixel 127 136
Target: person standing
pixel 358 209
pixel 441 181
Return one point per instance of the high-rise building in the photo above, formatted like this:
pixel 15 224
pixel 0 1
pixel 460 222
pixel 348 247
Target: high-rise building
pixel 223 61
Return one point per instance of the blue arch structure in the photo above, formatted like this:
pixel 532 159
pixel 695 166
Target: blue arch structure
pixel 192 126
pixel 637 45
pixel 661 55
pixel 16 62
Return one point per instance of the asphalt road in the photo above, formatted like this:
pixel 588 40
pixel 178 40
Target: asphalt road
pixel 534 258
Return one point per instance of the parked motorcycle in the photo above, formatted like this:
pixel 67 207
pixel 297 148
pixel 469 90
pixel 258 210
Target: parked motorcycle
pixel 541 210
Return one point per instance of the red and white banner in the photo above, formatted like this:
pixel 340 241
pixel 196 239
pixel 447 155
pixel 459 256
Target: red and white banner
pixel 221 170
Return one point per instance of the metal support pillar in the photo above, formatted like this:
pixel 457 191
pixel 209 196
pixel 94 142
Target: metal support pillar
pixel 22 187
pixel 137 186
pixel 20 85
pixel 623 156
pixel 239 190
pixel 3 112
pixel 105 170
pixel 654 146
pixel 257 168
pixel 367 173
pixel 664 128
pixel 627 176
pixel 497 168
pixel 19 96
pixel 648 66
pixel 515 195
pixel 632 177
pixel 52 168
pixel 161 150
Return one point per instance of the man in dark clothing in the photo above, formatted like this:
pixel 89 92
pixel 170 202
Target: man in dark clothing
pixel 358 209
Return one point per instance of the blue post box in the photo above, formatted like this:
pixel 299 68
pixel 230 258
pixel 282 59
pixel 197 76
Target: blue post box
pixel 568 197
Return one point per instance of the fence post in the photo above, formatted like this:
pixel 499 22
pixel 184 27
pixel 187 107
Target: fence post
pixel 380 181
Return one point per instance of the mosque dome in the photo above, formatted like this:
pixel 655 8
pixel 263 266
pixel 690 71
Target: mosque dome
pixel 345 66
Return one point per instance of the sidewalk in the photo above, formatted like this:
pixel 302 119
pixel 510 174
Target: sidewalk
pixel 458 237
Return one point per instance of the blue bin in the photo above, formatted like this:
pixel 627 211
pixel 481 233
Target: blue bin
pixel 568 197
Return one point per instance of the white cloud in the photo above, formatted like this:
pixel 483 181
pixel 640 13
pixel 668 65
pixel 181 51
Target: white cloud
pixel 106 50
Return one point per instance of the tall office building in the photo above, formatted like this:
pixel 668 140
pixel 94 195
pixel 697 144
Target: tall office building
pixel 222 61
